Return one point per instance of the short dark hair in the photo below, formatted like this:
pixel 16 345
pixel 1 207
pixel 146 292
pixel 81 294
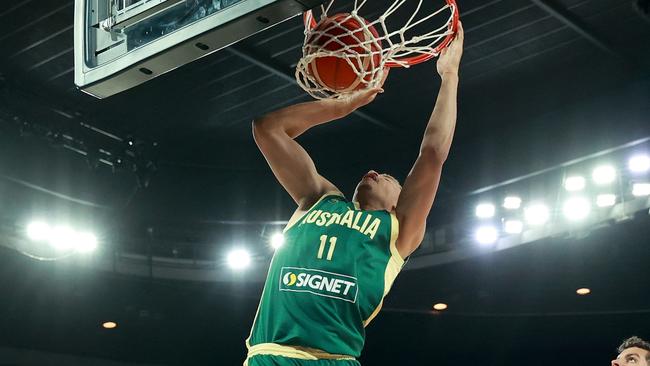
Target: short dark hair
pixel 635 342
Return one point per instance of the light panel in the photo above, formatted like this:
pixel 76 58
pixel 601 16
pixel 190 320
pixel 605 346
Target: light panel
pixel 277 240
pixel 85 242
pixel 576 208
pixel 486 235
pixel 511 202
pixel 606 200
pixel 513 226
pixel 485 210
pixel 574 183
pixel 63 238
pixel 639 163
pixel 604 174
pixel 537 214
pixel 38 231
pixel 440 306
pixel 239 259
pixel 641 189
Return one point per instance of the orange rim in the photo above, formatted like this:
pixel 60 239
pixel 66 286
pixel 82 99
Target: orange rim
pixel 311 23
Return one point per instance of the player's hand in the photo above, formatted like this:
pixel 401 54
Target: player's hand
pixel 449 59
pixel 355 100
pixel 350 102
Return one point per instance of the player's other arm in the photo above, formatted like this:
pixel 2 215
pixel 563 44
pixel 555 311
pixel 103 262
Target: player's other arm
pixel 420 186
pixel 275 132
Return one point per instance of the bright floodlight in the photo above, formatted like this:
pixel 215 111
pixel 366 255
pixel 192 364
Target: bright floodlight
pixel 109 325
pixel 574 183
pixel 485 210
pixel 63 238
pixel 513 226
pixel 239 259
pixel 605 174
pixel 576 208
pixel 38 231
pixel 277 240
pixel 639 163
pixel 606 200
pixel 511 202
pixel 536 214
pixel 641 189
pixel 85 242
pixel 486 235
pixel 440 306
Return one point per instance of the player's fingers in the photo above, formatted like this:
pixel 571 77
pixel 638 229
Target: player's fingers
pixel 368 95
pixel 383 79
pixel 460 33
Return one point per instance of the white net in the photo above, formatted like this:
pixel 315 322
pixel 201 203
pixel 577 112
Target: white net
pixel 345 52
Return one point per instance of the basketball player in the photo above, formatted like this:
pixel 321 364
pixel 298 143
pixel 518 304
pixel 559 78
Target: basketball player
pixel 634 351
pixel 341 256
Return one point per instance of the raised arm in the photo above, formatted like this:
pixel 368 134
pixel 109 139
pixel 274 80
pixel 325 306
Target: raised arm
pixel 293 167
pixel 420 186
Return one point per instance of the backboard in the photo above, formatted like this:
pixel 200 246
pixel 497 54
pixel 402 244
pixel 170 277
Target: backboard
pixel 120 44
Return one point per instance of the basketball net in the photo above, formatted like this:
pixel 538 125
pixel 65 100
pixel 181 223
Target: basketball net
pixel 369 55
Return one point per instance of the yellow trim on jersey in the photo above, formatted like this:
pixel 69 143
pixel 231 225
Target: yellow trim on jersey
pixel 301 353
pixel 393 267
pixel 299 215
pixel 394 233
pixel 289 225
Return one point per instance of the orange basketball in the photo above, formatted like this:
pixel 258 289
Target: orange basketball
pixel 334 34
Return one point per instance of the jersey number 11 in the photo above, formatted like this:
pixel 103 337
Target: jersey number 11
pixel 321 249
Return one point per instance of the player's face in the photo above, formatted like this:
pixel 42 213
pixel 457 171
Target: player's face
pixel 632 356
pixel 382 189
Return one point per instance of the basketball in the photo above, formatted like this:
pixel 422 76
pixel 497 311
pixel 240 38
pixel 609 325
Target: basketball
pixel 358 53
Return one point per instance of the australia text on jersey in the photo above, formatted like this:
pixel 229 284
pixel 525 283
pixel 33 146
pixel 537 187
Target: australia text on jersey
pixel 361 221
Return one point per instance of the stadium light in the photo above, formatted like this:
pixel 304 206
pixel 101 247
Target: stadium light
pixel 109 325
pixel 239 259
pixel 583 291
pixel 513 226
pixel 38 231
pixel 277 240
pixel 639 163
pixel 85 242
pixel 604 174
pixel 576 208
pixel 606 200
pixel 536 214
pixel 485 210
pixel 486 235
pixel 63 238
pixel 511 203
pixel 574 183
pixel 440 306
pixel 641 189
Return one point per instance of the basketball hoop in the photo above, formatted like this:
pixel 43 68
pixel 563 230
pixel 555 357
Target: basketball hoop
pixel 345 52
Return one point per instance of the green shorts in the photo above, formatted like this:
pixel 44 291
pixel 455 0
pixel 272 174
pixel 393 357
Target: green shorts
pixel 268 360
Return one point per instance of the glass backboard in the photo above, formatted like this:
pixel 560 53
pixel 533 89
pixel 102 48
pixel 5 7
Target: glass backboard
pixel 120 44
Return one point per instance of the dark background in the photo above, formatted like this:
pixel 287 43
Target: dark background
pixel 537 89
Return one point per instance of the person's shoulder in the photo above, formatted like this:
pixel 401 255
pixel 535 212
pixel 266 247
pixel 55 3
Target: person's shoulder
pixel 334 197
pixel 315 201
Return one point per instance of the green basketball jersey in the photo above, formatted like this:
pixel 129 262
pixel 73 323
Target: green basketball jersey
pixel 327 282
